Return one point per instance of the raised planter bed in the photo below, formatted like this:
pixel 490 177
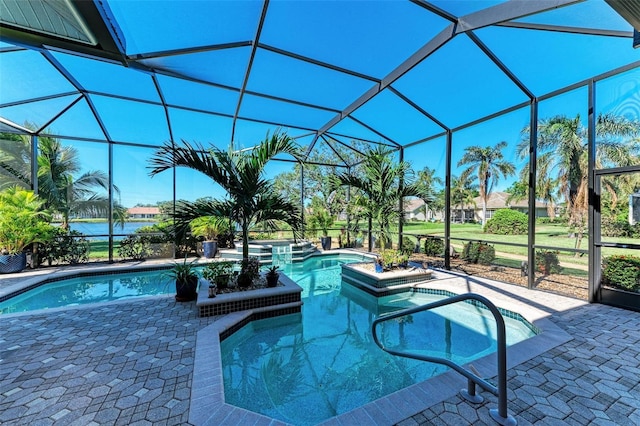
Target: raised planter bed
pixel 286 297
pixel 362 276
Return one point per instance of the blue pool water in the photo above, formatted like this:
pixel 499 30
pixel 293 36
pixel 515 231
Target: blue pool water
pixel 90 289
pixel 305 368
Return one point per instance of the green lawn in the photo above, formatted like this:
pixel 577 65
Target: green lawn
pixel 552 235
pixel 100 250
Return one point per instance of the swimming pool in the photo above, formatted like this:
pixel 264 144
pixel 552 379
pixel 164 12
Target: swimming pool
pixel 90 289
pixel 305 368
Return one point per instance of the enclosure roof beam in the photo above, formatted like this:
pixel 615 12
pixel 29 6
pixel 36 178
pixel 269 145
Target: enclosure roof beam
pixel 252 56
pixel 567 29
pixel 499 13
pixel 188 50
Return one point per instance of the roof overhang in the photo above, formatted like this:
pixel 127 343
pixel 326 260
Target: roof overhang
pixel 85 28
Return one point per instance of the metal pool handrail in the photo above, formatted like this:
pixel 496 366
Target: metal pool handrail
pixel 500 415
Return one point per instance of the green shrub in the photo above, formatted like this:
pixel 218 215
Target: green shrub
pixel 469 252
pixel 619 228
pixel 622 272
pixel 434 247
pixel 615 228
pixel 408 246
pixel 135 247
pixel 622 216
pixel 547 262
pixel 507 222
pixel 155 234
pixel 250 267
pixel 65 247
pixel 486 254
pixel 388 258
pixel 478 252
pixel 556 221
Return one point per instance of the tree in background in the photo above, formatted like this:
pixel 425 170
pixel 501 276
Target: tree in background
pixel 562 158
pixel 489 164
pixel 325 160
pixel 65 191
pixel 427 180
pixel 380 184
pixel 463 191
pixel 250 198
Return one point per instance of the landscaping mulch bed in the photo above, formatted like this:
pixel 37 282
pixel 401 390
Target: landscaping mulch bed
pixel 566 285
pixel 257 284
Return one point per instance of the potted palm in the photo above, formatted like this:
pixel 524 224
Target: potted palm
pixel 22 223
pixel 209 228
pixel 251 198
pixel 272 276
pixel 321 219
pixel 186 278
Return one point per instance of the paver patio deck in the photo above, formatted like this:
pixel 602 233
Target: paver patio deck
pixel 132 363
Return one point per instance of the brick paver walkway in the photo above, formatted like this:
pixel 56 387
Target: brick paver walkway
pixel 131 363
pixel 593 379
pixel 124 363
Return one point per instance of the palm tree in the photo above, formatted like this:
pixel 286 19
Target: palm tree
pixel 67 193
pixel 15 160
pixel 462 192
pixel 251 198
pixel 427 180
pixel 562 146
pixel 546 185
pixel 566 138
pixel 64 192
pixel 380 189
pixel 488 162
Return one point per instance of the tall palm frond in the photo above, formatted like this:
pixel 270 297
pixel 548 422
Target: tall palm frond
pixel 59 185
pixel 15 160
pixel 378 180
pixel 489 164
pixel 251 197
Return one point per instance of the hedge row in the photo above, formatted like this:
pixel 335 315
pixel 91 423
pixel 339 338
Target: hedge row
pixel 622 272
pixel 507 222
pixel 478 252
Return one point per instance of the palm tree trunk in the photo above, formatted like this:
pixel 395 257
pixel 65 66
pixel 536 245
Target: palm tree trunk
pixel 484 211
pixel 551 211
pixel 245 238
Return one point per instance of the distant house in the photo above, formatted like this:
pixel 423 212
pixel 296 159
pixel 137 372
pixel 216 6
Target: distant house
pixel 496 201
pixel 143 212
pixel 414 209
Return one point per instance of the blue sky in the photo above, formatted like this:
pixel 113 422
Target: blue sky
pixel 456 84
